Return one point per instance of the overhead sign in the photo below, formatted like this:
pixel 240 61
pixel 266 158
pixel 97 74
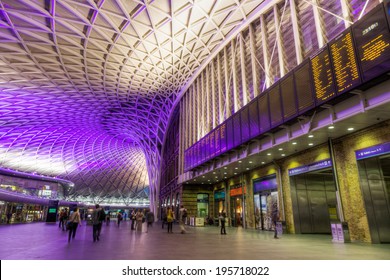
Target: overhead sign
pixel 310 167
pixel 373 151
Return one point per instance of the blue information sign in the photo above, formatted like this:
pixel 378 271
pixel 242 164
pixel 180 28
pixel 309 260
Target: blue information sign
pixel 373 151
pixel 310 167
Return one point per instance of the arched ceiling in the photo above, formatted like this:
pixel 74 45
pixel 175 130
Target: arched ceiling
pixel 87 86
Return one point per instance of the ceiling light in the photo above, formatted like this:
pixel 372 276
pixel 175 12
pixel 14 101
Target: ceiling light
pixel 330 127
pixel 280 149
pixel 225 173
pixel 294 143
pixel 251 162
pixel 262 162
pixel 311 136
pixel 216 177
pixel 283 155
pixel 213 172
pixel 311 144
pixel 239 161
pixel 225 177
pixel 208 180
pixel 236 168
pixel 247 168
pixel 235 173
pixel 350 128
pixel 225 167
pixel 268 154
pixel 203 176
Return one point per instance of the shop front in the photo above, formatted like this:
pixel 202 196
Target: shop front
pixel 219 205
pixel 374 173
pixel 265 192
pixel 237 206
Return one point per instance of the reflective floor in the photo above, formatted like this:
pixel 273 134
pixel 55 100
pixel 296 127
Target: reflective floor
pixel 42 241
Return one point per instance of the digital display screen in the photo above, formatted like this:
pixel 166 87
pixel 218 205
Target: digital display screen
pixel 322 76
pixel 229 134
pixel 372 41
pixel 253 119
pixel 303 87
pixel 345 67
pixel 202 152
pixel 287 94
pixel 212 144
pixel 263 112
pixel 207 155
pixel 217 141
pixel 245 135
pixel 237 130
pixel 223 137
pixel 275 106
pixel 52 210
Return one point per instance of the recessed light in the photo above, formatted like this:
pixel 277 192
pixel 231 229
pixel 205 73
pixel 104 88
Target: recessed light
pixel 330 127
pixel 216 177
pixel 280 149
pixel 311 144
pixel 213 172
pixel 236 168
pixel 251 162
pixel 311 136
pixel 268 154
pixel 225 173
pixel 235 173
pixel 225 168
pixel 194 180
pixel 239 161
pixel 283 155
pixel 208 180
pixel 203 176
pixel 247 168
pixel 225 177
pixel 350 128
pixel 294 143
pixel 262 162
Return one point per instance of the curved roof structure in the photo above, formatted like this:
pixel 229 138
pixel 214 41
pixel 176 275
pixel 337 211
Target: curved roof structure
pixel 87 86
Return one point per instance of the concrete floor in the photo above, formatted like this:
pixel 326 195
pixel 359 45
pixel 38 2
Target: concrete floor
pixel 40 241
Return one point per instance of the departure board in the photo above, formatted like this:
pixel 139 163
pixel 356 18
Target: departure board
pixel 372 41
pixel 237 130
pixel 275 105
pixel 245 135
pixel 229 134
pixel 303 87
pixel 223 137
pixel 263 112
pixel 322 76
pixel 207 155
pixel 287 94
pixel 253 119
pixel 212 144
pixel 345 67
pixel 217 141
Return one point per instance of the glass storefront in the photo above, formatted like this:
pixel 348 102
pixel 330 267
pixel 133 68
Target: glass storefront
pixel 202 205
pixel 265 201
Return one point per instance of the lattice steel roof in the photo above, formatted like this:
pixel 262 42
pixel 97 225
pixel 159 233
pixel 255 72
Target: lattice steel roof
pixel 86 86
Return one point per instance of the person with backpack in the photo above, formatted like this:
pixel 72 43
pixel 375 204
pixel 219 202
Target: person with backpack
pixel 182 219
pixel 222 218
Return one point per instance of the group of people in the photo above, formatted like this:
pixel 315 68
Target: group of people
pixel 139 217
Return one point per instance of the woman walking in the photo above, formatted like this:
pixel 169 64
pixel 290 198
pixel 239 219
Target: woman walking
pixel 74 222
pixel 170 218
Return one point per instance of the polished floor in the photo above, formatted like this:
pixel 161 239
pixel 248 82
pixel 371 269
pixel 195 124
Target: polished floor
pixel 41 241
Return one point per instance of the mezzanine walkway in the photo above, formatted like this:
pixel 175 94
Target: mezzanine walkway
pixel 40 241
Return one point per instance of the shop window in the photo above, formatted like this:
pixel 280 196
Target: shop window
pixel 202 205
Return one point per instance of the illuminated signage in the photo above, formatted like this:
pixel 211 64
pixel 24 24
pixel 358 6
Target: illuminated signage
pixel 311 167
pixel 373 151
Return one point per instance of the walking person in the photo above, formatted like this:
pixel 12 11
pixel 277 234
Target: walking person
pixel 74 222
pixel 133 218
pixel 138 217
pixel 119 218
pixel 61 224
pixel 149 219
pixel 222 218
pixel 164 218
pixel 182 219
pixel 170 219
pixel 96 223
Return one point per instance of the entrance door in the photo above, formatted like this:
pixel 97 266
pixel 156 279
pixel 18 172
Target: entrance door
pixel 236 211
pixel 375 182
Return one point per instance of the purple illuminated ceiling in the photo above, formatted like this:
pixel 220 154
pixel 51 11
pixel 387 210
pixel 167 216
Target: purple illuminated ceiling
pixel 86 87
